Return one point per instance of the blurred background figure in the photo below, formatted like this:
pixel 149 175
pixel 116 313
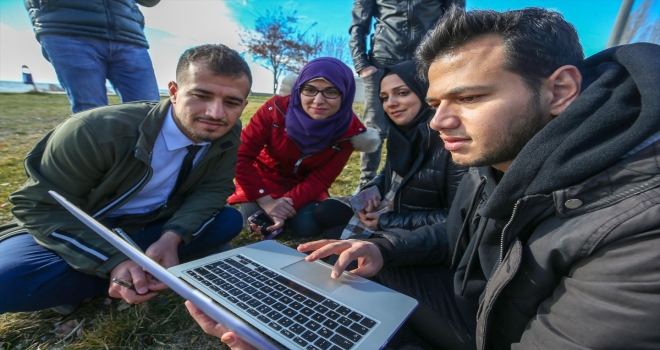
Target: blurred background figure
pixel 398 27
pixel 90 41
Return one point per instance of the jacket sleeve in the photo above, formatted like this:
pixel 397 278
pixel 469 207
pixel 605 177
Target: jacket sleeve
pixel 363 12
pixel 427 245
pixel 608 300
pixel 207 197
pixel 410 221
pixel 319 180
pixel 72 163
pixel 254 136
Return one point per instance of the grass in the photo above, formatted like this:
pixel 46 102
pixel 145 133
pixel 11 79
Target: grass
pixel 103 323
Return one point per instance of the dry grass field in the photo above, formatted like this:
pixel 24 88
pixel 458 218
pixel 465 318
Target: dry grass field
pixel 101 322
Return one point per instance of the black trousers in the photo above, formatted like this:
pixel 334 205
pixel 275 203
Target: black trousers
pixel 436 322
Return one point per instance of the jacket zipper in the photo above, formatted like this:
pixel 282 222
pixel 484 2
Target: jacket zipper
pixel 295 167
pixel 513 214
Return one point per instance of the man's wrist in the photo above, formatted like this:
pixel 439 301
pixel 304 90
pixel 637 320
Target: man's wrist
pixel 171 238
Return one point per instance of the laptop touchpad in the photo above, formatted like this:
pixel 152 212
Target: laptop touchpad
pixel 317 274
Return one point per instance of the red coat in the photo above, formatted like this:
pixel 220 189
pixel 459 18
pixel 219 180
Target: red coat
pixel 269 162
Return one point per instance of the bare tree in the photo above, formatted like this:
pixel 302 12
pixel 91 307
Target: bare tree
pixel 333 46
pixel 643 24
pixel 278 43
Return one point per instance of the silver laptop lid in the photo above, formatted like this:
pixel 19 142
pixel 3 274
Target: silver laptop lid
pixel 182 288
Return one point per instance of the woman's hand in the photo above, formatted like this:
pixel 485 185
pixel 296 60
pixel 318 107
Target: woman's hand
pixel 369 220
pixel 277 208
pixel 278 223
pixel 217 330
pixel 368 217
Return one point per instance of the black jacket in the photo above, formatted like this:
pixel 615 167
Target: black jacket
pixel 400 26
pixel 117 20
pixel 427 189
pixel 563 252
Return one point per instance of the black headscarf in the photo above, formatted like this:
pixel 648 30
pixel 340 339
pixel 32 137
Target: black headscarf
pixel 404 141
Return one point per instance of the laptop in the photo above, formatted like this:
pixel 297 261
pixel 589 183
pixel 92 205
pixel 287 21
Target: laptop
pixel 271 297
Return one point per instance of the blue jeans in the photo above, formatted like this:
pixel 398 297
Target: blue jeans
pixel 35 278
pixel 83 64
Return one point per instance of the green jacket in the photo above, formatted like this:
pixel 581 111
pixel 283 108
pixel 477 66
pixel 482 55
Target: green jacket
pixel 99 159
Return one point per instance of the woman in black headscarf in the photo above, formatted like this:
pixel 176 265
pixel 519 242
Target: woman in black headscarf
pixel 419 180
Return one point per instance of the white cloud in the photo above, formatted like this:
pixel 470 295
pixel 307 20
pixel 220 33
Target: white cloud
pixel 19 47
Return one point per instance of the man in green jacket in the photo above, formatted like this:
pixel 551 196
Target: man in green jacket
pixel 160 172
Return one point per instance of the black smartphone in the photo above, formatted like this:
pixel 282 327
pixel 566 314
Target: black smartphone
pixel 264 221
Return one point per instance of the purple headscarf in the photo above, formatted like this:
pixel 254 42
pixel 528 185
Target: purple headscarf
pixel 316 135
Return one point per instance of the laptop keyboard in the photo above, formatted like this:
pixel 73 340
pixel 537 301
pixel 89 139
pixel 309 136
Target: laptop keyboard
pixel 307 318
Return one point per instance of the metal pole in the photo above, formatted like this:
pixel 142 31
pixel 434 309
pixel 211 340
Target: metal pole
pixel 620 23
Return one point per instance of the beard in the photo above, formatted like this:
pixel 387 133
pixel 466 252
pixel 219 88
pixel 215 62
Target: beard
pixel 510 141
pixel 201 136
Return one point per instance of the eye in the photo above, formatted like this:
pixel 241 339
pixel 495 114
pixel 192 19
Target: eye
pixel 332 92
pixel 383 98
pixel 309 89
pixel 404 92
pixel 469 99
pixel 201 97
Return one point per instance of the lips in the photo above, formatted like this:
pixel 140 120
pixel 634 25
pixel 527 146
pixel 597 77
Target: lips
pixel 212 122
pixel 454 143
pixel 396 113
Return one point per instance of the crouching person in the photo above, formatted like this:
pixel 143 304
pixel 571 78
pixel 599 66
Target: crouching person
pixel 161 172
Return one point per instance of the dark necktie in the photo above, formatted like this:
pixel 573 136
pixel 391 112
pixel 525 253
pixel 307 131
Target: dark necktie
pixel 186 165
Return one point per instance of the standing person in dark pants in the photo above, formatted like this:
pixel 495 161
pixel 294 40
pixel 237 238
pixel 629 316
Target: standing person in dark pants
pixel 90 41
pixel 398 29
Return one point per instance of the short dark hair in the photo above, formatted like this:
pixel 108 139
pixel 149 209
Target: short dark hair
pixel 537 41
pixel 218 58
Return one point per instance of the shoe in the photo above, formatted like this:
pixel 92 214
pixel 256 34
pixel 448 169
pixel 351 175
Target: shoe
pixel 65 309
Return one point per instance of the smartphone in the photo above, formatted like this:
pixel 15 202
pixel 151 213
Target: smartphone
pixel 361 199
pixel 264 221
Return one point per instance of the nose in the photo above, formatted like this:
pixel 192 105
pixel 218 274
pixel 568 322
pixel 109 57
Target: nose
pixel 215 110
pixel 319 98
pixel 390 102
pixel 444 118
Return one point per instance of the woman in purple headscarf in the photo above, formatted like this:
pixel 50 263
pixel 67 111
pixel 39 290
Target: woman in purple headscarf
pixel 295 147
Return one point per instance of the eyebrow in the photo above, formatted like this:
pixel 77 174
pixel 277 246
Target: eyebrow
pixel 399 87
pixel 461 90
pixel 206 92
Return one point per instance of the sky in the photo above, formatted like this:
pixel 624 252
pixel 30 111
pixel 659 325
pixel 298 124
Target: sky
pixel 175 25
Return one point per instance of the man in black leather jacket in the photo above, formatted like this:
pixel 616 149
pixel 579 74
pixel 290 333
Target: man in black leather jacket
pixel 398 29
pixel 90 41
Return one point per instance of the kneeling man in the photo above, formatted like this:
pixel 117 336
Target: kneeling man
pixel 160 172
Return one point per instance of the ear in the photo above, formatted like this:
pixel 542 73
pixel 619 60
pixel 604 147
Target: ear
pixel 564 84
pixel 172 89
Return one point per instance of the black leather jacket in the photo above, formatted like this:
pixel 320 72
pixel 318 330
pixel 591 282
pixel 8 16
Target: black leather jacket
pixel 427 189
pixel 400 26
pixel 117 20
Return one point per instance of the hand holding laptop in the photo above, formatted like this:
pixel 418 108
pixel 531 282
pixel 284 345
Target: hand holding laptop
pixel 164 252
pixel 215 329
